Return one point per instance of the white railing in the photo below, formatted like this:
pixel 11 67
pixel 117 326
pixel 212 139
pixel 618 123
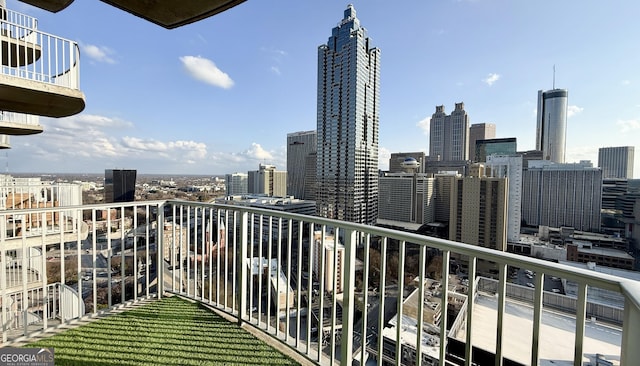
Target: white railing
pixel 22 118
pixel 38 194
pixel 330 290
pixel 38 56
pixel 23 20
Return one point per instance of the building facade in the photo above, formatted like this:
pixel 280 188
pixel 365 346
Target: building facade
pixel 300 145
pixel 348 124
pixel 510 167
pixel 237 183
pixel 479 212
pixel 268 181
pixel 449 134
pixel 479 131
pixel 119 185
pixel 485 148
pixel 616 162
pixel 443 187
pixel 406 197
pixel 551 131
pixel 559 195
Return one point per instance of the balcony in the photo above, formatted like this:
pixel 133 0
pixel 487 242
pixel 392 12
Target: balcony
pixel 19 124
pixel 326 290
pixel 40 72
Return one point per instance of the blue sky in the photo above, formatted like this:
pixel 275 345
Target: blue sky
pixel 220 95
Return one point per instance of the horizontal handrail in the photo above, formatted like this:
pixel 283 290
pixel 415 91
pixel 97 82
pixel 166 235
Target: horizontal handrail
pixel 39 56
pixel 297 278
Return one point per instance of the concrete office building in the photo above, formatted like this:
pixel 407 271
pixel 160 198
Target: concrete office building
pixel 479 131
pixel 396 160
pixel 406 197
pixel 268 181
pixel 300 145
pixel 237 183
pixel 348 124
pixel 558 195
pixel 479 212
pixel 510 167
pixel 551 131
pixel 449 134
pixel 616 162
pixel 504 146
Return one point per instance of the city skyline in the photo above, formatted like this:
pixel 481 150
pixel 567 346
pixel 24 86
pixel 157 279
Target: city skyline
pixel 197 100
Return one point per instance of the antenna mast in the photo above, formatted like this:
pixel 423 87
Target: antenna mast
pixel 554 76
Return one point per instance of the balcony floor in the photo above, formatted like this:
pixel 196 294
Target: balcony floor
pixel 164 332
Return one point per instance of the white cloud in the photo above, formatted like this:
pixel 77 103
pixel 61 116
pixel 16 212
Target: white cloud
pixel 258 153
pixel 276 57
pixel 86 121
pixel 628 125
pixel 203 69
pixel 98 53
pixel 491 79
pixel 577 153
pixel 276 53
pixel 572 110
pixel 424 125
pixel 247 160
pixel 172 149
pixel 625 82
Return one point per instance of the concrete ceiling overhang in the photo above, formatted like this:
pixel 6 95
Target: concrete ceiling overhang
pixel 172 14
pixel 166 13
pixel 53 6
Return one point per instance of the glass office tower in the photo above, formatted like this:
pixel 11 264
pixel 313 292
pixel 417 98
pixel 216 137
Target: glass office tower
pixel 551 132
pixel 348 103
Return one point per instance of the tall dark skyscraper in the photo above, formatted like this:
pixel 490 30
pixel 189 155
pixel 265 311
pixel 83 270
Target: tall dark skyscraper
pixel 119 185
pixel 551 132
pixel 348 124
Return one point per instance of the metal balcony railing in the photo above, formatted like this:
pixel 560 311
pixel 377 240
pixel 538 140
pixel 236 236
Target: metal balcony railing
pixel 31 54
pixel 333 291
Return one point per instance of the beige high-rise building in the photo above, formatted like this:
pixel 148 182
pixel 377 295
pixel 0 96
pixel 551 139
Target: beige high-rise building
pixel 267 180
pixel 406 197
pixel 479 212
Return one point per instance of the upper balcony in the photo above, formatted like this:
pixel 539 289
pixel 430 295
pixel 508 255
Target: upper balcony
pixel 40 72
pixel 330 291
